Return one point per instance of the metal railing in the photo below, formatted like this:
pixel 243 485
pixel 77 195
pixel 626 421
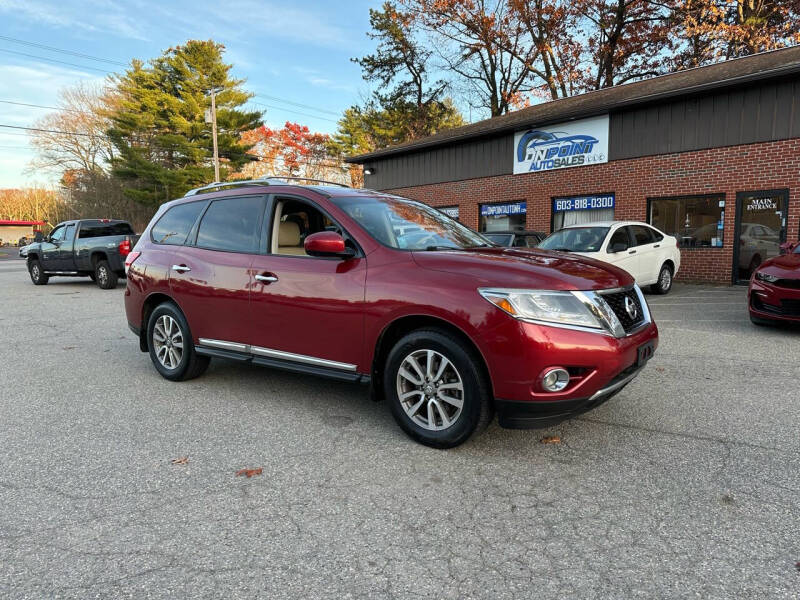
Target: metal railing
pixel 262 181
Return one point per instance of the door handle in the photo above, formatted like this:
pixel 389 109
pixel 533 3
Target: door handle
pixel 657 246
pixel 266 278
pixel 181 268
pixel 632 252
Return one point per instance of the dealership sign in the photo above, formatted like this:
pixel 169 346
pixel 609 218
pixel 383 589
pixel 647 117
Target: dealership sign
pixel 583 203
pixel 496 210
pixel 572 144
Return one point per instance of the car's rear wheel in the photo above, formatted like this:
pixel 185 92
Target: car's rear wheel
pixel 169 341
pixel 664 282
pixel 436 388
pixel 38 276
pixel 105 278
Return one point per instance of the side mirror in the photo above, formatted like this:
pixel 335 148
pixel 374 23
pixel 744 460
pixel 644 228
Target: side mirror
pixel 618 247
pixel 327 243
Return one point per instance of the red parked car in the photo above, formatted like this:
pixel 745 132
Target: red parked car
pixel 364 286
pixel 774 292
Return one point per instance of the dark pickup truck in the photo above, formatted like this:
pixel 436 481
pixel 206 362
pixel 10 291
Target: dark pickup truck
pixel 90 247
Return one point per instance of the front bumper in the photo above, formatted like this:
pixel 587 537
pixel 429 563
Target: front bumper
pixel 535 415
pixel 771 302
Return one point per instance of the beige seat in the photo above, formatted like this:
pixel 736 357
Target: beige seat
pixel 289 239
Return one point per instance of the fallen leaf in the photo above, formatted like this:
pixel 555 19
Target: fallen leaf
pixel 550 439
pixel 68 348
pixel 660 369
pixel 797 564
pixel 180 461
pixel 250 472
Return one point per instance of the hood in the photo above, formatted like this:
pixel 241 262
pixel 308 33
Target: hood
pixel 526 268
pixel 785 266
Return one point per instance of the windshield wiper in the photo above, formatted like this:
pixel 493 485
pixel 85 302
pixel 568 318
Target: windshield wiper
pixel 431 248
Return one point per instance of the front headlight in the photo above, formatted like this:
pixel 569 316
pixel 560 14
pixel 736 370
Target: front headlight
pixel 581 310
pixel 766 277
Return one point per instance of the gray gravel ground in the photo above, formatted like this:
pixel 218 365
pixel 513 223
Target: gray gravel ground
pixel 685 485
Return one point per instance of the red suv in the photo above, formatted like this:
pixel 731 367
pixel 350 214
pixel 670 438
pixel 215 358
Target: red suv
pixel 364 286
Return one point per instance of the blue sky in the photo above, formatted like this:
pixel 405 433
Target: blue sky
pixel 288 51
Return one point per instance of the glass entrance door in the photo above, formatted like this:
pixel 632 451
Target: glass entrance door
pixel 760 229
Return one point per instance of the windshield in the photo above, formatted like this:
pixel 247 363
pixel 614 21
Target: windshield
pixel 504 239
pixel 408 225
pixel 576 239
pixel 797 249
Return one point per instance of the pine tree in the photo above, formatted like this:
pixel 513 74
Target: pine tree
pixel 158 122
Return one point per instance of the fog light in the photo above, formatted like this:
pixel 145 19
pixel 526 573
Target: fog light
pixel 555 379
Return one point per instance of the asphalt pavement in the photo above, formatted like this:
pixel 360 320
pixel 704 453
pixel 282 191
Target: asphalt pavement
pixel 684 485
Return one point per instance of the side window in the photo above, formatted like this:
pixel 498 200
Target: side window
pixel 520 241
pixel 657 237
pixel 70 233
pixel 641 235
pixel 173 227
pixel 620 236
pixel 231 224
pixel 58 233
pixel 294 221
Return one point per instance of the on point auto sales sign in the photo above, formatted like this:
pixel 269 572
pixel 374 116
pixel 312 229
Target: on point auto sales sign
pixel 572 144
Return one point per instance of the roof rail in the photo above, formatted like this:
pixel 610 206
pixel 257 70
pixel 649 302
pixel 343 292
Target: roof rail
pixel 289 178
pixel 266 180
pixel 222 184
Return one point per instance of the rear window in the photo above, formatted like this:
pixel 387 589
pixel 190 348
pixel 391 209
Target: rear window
pixel 173 227
pixel 93 229
pixel 231 224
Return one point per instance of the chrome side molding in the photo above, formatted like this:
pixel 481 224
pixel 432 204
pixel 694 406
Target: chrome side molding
pixel 278 354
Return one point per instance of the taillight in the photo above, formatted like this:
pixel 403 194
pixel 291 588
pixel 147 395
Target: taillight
pixel 132 256
pixel 124 247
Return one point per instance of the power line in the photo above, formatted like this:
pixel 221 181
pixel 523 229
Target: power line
pixel 301 105
pixel 62 51
pixel 296 112
pixel 80 112
pixel 53 60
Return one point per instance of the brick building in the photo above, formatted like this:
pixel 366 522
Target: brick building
pixel 710 155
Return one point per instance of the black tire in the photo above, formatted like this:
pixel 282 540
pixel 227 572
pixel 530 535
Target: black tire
pixel 105 278
pixel 477 407
pixel 664 283
pixel 38 276
pixel 191 364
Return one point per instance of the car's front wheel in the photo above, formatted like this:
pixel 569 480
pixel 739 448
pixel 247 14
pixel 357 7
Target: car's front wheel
pixel 169 341
pixel 38 276
pixel 664 282
pixel 436 388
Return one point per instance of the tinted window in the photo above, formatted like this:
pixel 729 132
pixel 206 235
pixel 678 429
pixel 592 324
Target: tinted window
pixel 231 224
pixel 504 239
pixel 657 237
pixel 173 227
pixel 70 235
pixel 576 239
pixel 641 235
pixel 91 229
pixel 620 237
pixel 57 233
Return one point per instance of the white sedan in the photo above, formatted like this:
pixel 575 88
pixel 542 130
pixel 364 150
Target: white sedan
pixel 650 255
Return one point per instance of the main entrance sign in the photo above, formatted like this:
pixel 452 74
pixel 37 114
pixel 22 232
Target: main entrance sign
pixel 561 146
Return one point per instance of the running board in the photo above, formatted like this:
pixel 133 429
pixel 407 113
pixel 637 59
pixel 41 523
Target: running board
pixel 257 356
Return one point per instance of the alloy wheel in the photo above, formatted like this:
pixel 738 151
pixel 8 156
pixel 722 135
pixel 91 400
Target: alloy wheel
pixel 168 341
pixel 665 281
pixel 430 389
pixel 102 276
pixel 35 272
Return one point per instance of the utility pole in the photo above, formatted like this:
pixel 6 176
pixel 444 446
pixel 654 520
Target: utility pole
pixel 213 121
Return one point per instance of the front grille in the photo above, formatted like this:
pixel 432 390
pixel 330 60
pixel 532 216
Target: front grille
pixel 787 308
pixel 618 304
pixel 792 284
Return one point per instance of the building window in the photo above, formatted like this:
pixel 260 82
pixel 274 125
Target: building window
pixel 575 210
pixel 696 221
pixel 509 216
pixel 450 211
